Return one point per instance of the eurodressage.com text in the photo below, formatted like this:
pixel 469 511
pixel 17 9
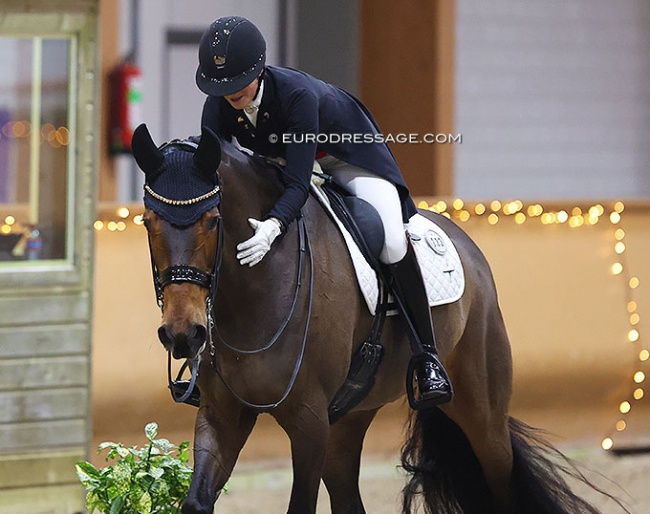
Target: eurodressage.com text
pixel 335 138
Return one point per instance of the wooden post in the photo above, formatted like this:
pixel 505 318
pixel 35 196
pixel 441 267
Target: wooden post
pixel 109 13
pixel 407 81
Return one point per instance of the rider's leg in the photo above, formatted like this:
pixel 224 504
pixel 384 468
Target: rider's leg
pixel 378 192
pixel 407 284
pixel 406 279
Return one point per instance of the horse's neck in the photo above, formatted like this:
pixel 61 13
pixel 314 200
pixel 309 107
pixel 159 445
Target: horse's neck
pixel 248 192
pixel 251 291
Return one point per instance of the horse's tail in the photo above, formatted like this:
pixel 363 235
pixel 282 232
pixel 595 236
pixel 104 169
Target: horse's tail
pixel 446 476
pixel 537 476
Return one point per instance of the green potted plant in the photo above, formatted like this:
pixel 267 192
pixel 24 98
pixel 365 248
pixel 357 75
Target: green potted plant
pixel 150 480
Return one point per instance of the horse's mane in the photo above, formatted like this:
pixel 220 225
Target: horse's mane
pixel 239 153
pixel 240 158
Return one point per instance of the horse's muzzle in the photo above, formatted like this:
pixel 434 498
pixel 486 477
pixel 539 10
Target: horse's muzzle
pixel 183 345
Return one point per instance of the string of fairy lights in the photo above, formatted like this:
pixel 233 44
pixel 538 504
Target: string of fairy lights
pixel 620 268
pixel 516 211
pixel 56 137
pixel 576 217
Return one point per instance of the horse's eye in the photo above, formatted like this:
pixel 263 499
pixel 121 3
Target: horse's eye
pixel 213 223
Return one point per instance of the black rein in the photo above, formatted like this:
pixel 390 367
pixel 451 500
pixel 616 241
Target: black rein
pixel 179 274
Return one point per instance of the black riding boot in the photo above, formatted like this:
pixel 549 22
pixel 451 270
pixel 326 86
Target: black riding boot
pixel 407 284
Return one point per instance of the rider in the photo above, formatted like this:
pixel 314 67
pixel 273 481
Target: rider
pixel 273 111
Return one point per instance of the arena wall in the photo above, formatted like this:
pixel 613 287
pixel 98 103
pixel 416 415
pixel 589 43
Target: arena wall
pixel 566 309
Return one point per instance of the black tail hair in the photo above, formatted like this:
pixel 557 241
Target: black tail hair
pixel 446 477
pixel 539 472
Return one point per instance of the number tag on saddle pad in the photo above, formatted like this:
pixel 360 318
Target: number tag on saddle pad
pixel 436 242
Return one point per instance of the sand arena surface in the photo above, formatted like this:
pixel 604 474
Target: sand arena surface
pixel 266 490
pixel 261 481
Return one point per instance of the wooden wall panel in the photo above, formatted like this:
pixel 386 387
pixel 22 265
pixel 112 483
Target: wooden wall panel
pixel 28 310
pixel 19 437
pixel 31 406
pixel 39 373
pixel 64 499
pixel 40 469
pixel 45 307
pixel 40 340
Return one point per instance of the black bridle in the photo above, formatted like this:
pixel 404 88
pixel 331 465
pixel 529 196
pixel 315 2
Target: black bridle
pixel 182 390
pixel 179 274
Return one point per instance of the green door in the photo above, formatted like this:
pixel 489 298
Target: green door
pixel 48 127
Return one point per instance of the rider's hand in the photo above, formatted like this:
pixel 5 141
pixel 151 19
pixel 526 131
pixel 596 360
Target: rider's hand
pixel 254 249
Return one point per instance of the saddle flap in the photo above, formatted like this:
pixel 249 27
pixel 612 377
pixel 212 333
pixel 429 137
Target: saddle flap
pixel 358 217
pixel 368 223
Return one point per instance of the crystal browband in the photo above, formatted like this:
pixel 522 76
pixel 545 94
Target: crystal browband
pixel 191 201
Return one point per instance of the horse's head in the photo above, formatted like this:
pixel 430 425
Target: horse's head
pixel 181 199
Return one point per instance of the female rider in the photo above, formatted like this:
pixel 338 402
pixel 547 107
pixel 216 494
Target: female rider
pixel 273 111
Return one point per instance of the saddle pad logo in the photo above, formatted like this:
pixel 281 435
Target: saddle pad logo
pixel 436 242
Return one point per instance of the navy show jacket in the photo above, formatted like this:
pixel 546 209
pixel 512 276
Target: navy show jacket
pixel 294 105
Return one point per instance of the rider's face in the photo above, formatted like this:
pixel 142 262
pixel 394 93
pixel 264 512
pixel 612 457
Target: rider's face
pixel 242 98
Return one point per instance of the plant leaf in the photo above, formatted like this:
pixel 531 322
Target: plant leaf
pixel 151 431
pixel 164 445
pixel 116 506
pixel 87 473
pixel 123 452
pixel 141 501
pixel 122 477
pixel 106 444
pixel 94 502
pixel 157 473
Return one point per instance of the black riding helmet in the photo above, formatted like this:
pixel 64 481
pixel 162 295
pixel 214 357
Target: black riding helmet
pixel 232 54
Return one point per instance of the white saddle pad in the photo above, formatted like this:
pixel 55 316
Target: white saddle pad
pixel 439 261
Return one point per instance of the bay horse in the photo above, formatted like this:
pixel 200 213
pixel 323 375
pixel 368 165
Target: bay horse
pixel 279 338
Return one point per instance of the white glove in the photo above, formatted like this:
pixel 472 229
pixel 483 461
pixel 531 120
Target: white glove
pixel 254 249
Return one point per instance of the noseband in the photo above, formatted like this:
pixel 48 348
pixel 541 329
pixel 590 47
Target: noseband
pixel 182 273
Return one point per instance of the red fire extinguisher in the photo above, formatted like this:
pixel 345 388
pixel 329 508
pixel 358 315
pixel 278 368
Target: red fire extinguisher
pixel 125 105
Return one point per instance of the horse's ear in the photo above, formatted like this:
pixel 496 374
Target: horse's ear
pixel 208 155
pixel 146 153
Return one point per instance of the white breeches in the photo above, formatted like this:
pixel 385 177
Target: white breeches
pixel 378 192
